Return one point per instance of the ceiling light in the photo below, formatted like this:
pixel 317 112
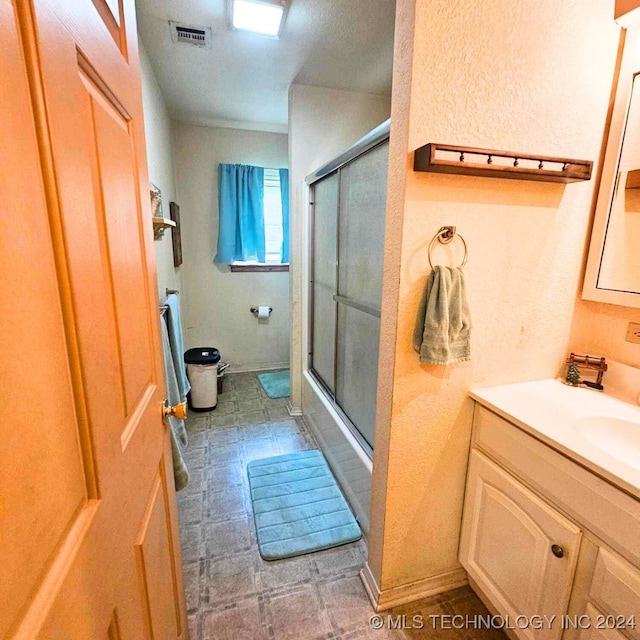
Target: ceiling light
pixel 258 16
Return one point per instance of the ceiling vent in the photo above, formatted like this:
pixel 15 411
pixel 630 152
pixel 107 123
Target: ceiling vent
pixel 195 36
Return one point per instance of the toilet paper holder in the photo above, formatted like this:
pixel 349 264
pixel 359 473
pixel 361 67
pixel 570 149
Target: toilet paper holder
pixel 255 309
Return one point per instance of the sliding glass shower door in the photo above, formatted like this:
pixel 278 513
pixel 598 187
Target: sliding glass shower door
pixel 347 247
pixel 325 278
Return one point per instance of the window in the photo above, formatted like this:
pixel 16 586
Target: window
pixel 272 216
pixel 273 228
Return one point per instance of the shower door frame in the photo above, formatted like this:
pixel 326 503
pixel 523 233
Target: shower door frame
pixel 374 139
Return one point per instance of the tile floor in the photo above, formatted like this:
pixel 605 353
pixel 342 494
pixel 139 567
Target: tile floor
pixel 232 594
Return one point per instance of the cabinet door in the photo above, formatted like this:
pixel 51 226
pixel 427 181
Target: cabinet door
pixel 592 630
pixel 615 587
pixel 506 546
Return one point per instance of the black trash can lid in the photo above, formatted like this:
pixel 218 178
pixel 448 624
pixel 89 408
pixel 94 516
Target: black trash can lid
pixel 202 355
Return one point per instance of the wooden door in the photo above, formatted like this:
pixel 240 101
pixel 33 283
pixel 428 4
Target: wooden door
pixel 89 545
pixel 506 546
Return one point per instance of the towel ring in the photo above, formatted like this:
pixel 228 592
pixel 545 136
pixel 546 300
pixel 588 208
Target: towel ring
pixel 445 235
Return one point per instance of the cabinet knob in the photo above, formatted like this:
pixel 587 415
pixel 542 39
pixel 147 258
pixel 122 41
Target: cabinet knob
pixel 557 550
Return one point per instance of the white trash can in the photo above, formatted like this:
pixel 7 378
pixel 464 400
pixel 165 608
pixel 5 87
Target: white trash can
pixel 202 371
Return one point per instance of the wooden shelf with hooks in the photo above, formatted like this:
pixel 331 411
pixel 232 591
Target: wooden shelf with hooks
pixel 488 163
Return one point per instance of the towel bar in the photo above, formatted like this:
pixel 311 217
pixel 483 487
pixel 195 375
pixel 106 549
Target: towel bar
pixel 445 235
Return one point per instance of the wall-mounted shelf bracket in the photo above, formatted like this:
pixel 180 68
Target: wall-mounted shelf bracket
pixel 160 225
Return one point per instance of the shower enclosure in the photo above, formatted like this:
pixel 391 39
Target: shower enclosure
pixel 346 238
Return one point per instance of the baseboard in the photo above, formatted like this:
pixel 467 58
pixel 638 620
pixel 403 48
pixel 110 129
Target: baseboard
pixel 383 600
pixel 263 367
pixel 294 411
pixel 370 586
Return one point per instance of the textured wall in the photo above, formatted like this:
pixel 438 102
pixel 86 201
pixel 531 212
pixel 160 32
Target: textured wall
pixel 157 130
pixel 600 329
pixel 217 301
pixel 322 123
pixel 530 76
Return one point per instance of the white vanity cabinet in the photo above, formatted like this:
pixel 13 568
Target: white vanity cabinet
pixel 519 550
pixel 544 536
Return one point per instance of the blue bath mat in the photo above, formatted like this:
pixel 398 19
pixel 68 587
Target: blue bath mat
pixel 276 384
pixel 297 506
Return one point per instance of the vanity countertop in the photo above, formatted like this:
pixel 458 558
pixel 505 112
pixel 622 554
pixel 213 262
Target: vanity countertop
pixel 599 432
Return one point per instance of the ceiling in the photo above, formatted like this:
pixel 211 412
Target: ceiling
pixel 243 80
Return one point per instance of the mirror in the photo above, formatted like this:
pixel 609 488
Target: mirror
pixel 613 267
pixel 620 264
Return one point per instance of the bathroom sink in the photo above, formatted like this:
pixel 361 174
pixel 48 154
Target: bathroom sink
pixel 617 437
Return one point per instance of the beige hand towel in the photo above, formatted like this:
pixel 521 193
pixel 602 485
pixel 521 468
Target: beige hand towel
pixel 441 334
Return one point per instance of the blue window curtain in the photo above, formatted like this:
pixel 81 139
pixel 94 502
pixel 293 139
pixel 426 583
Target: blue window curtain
pixel 241 210
pixel 284 195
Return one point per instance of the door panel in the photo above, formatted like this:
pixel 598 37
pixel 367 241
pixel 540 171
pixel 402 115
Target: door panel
pixel 89 479
pixel 112 13
pixel 113 632
pixel 157 577
pixel 507 535
pixel 521 562
pixel 113 168
pixel 114 8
